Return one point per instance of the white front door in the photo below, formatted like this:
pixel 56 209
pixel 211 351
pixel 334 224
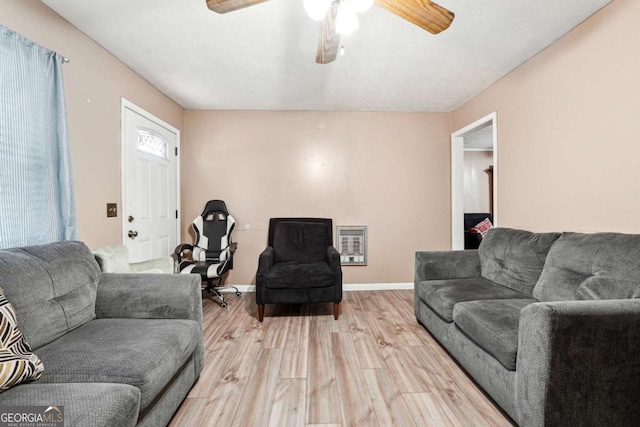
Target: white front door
pixel 149 184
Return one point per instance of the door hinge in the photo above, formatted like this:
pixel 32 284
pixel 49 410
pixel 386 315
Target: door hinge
pixel 176 151
pixel 176 214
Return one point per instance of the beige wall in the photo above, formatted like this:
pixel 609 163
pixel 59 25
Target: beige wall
pixel 568 140
pixel 94 83
pixel 389 171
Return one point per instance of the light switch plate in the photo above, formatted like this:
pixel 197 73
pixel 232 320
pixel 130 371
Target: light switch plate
pixel 112 210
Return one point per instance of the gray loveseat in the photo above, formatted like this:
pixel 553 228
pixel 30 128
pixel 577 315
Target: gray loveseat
pixel 547 324
pixel 118 349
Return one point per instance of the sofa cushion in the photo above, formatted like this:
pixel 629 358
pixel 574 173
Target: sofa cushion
pixel 591 266
pixel 300 241
pixel 17 363
pixel 442 295
pixel 52 287
pixel 493 326
pixel 514 258
pixel 145 353
pixel 96 405
pixel 299 275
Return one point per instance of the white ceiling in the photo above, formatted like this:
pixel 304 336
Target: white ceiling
pixel 263 57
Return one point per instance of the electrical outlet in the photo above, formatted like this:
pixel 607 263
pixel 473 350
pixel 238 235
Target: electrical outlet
pixel 112 210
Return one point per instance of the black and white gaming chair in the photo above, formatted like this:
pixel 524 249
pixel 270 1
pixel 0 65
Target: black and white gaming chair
pixel 212 252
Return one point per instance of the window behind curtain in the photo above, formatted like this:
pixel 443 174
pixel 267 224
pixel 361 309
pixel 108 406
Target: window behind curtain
pixel 36 187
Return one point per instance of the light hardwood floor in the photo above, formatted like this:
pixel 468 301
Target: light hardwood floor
pixel 374 366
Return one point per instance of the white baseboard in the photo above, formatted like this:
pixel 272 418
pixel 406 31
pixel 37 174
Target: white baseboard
pixel 376 286
pixel 345 287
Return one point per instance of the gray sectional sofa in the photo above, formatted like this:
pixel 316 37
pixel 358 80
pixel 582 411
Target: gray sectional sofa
pixel 547 324
pixel 118 349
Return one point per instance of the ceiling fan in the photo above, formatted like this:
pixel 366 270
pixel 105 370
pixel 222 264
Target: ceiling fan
pixel 335 14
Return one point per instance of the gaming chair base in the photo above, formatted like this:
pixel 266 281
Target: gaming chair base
pixel 216 288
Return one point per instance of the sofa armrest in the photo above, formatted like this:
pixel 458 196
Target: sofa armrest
pixel 578 363
pixel 447 265
pixel 163 264
pixel 149 296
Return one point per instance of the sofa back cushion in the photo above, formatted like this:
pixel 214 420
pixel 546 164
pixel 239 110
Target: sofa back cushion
pixel 591 266
pixel 514 258
pixel 52 287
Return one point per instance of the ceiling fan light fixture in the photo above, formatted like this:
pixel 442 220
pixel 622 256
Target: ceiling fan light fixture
pixel 317 9
pixel 347 20
pixel 361 6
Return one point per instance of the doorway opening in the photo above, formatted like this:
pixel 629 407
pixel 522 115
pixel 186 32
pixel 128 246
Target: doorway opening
pixel 474 171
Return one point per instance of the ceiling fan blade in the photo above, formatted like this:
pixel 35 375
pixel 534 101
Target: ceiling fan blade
pixel 329 40
pixel 224 6
pixel 423 13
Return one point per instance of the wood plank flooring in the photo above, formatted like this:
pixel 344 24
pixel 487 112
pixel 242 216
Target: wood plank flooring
pixel 374 366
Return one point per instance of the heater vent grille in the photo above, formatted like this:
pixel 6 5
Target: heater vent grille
pixel 352 244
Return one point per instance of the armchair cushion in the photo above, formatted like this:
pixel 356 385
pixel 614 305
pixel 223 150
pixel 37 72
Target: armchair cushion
pixel 493 326
pixel 442 295
pixel 299 274
pixel 300 241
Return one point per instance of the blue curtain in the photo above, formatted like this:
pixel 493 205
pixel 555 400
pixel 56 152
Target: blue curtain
pixel 36 187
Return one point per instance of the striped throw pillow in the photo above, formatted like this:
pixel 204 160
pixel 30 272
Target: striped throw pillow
pixel 17 363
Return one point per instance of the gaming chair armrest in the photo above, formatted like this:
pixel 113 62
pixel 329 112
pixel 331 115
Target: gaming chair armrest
pixel 180 249
pixel 231 249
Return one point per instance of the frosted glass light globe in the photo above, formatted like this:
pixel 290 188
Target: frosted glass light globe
pixel 347 20
pixel 317 9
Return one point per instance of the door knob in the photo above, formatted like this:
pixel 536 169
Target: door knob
pixel 132 234
pixel 130 218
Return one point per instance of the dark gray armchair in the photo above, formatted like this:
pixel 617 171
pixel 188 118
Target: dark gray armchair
pixel 300 265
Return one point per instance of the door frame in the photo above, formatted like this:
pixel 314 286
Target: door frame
pixel 124 105
pixel 457 177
